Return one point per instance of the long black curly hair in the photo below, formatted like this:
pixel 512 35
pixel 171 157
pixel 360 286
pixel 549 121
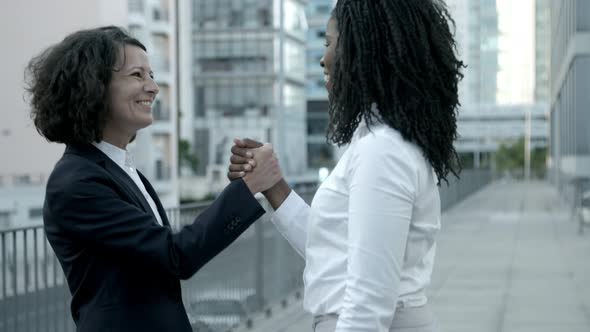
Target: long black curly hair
pixel 68 84
pixel 401 56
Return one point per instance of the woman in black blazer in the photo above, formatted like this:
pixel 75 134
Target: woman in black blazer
pixel 93 92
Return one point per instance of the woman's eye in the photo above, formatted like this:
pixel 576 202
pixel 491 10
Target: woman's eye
pixel 136 74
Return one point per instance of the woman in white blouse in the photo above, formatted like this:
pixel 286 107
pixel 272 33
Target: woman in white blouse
pixel 368 238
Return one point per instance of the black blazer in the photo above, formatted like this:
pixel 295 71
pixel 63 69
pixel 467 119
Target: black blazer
pixel 122 268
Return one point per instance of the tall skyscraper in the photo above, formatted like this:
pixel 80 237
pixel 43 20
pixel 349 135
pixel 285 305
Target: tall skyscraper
pixel 489 52
pixel 248 80
pixel 477 38
pixel 569 97
pixel 542 49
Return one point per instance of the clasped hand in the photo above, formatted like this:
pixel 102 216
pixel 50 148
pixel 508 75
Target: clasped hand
pixel 256 163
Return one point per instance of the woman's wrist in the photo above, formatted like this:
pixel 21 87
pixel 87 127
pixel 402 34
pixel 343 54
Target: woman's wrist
pixel 277 194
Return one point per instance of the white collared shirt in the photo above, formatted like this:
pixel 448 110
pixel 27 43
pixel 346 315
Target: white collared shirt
pixel 125 160
pixel 368 238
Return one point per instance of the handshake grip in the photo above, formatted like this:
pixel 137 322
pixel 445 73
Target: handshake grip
pixel 266 172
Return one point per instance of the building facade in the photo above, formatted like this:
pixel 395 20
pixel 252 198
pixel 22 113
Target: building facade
pixel 247 60
pixel 29 158
pixel 320 153
pixel 476 33
pixel 542 50
pixel 569 97
pixel 485 128
pixel 155 148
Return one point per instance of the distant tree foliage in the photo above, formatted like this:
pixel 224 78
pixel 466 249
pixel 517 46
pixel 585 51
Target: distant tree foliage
pixel 510 158
pixel 187 159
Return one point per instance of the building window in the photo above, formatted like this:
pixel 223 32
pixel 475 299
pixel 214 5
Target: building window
pixel 236 18
pixel 201 149
pixel 317 123
pixel 160 57
pixel 264 17
pixel 162 170
pixel 161 108
pixel 160 14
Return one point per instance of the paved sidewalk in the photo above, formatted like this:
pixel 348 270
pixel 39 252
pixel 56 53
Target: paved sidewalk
pixel 509 260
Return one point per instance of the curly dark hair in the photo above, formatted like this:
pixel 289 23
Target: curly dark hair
pixel 401 56
pixel 68 84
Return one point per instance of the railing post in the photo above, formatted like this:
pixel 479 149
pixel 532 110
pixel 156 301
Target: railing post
pixel 4 286
pixel 14 282
pixel 55 293
pixel 26 305
pixel 36 262
pixel 259 274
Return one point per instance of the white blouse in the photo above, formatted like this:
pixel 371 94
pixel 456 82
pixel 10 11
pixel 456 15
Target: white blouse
pixel 125 160
pixel 368 238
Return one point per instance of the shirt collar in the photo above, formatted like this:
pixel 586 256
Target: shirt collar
pixel 119 156
pixel 363 128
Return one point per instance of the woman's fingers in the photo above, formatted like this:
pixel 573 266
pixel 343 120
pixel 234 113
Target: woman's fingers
pixel 235 175
pixel 240 168
pixel 242 152
pixel 235 159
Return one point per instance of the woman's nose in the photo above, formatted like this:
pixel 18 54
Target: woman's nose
pixel 152 87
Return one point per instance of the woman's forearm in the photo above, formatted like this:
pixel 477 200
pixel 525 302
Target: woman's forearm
pixel 277 194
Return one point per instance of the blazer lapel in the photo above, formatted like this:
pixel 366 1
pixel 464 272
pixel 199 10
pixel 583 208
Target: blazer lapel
pixel 154 196
pixel 121 178
pixel 129 185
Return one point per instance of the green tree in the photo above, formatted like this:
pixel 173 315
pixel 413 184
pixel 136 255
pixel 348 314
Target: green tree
pixel 186 158
pixel 510 157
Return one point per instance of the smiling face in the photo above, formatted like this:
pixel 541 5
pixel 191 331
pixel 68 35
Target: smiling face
pixel 327 60
pixel 130 96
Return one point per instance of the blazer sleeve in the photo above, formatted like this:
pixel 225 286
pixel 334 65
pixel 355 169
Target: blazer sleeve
pixel 91 212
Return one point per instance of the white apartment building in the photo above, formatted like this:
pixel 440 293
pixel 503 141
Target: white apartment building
pixel 247 61
pixel 155 150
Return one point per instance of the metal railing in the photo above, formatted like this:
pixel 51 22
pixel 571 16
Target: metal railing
pixel 34 294
pixel 259 268
pixel 470 181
